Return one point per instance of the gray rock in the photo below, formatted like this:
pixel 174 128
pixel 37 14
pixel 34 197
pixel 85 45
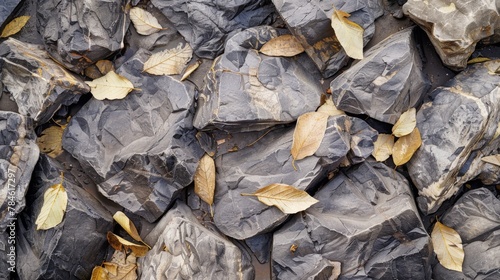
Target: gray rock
pixel 261 245
pixel 78 33
pixel 141 149
pixel 6 9
pixel 38 85
pixel 387 82
pixel 457 130
pixel 206 24
pixel 8 257
pixel 184 249
pixel 453 32
pixel 71 249
pixel 490 174
pixel 310 22
pixel 366 219
pixel 246 90
pixel 362 139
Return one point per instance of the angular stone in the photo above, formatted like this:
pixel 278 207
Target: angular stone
pixel 8 257
pixel 71 249
pixel 362 138
pixel 184 249
pixel 366 219
pixel 490 174
pixel 387 82
pixel 457 130
pixel 38 85
pixel 455 28
pixel 206 25
pixel 142 149
pixel 78 33
pixel 246 90
pixel 310 22
pixel 6 9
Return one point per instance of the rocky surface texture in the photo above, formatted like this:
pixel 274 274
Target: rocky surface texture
pixel 6 9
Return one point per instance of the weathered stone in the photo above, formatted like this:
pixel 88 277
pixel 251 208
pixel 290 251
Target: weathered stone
pixel 387 82
pixel 6 9
pixel 490 174
pixel 261 245
pixel 455 28
pixel 184 249
pixel 310 22
pixel 8 257
pixel 206 25
pixel 141 149
pixel 38 85
pixel 78 33
pixel 246 90
pixel 71 249
pixel 457 130
pixel 366 219
pixel 362 139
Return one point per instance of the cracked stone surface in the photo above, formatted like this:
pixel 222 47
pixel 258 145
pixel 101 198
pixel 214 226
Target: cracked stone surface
pixel 6 9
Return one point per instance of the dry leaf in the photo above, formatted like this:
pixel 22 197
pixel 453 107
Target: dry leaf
pixel 105 66
pixel 204 179
pixel 478 59
pixel 144 22
pixel 111 86
pixel 405 147
pixel 349 34
pixel 284 45
pixel 287 198
pixel 121 267
pixel 119 243
pixel 128 226
pixel 308 134
pixel 382 149
pixel 99 273
pixel 406 123
pixel 190 69
pixel 50 142
pixel 55 200
pixel 14 26
pixel 447 246
pixel 494 159
pixel 169 62
pixel 330 109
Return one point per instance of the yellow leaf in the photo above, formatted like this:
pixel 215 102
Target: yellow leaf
pixel 349 34
pixel 478 59
pixel 55 200
pixel 447 246
pixel 308 134
pixel 111 86
pixel 284 45
pixel 494 159
pixel 382 149
pixel 99 273
pixel 144 22
pixel 190 69
pixel 120 244
pixel 168 62
pixel 14 26
pixel 121 267
pixel 287 198
pixel 330 109
pixel 50 142
pixel 128 226
pixel 204 179
pixel 406 123
pixel 405 147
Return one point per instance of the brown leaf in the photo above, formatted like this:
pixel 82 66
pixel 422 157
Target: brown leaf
pixel 128 226
pixel 382 148
pixel 349 34
pixel 406 123
pixel 14 26
pixel 405 147
pixel 99 273
pixel 204 179
pixel 105 66
pixel 284 45
pixel 447 246
pixel 308 134
pixel 120 244
pixel 494 159
pixel 121 267
pixel 168 62
pixel 50 141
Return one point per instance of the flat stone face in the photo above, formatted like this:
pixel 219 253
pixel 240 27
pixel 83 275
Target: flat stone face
pixel 38 85
pixel 457 129
pixel 141 149
pixel 387 82
pixel 71 249
pixel 453 32
pixel 78 33
pixel 206 24
pixel 184 249
pixel 6 9
pixel 310 22
pixel 368 208
pixel 245 90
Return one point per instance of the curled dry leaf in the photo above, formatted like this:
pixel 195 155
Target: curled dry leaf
pixel 190 69
pixel 478 59
pixel 494 159
pixel 288 199
pixel 382 149
pixel 55 201
pixel 128 226
pixel 14 26
pixel 284 45
pixel 169 62
pixel 308 134
pixel 121 267
pixel 99 273
pixel 447 246
pixel 110 86
pixel 120 244
pixel 349 34
pixel 50 142
pixel 204 179
pixel 144 22
pixel 406 123
pixel 405 147
pixel 330 109
pixel 105 66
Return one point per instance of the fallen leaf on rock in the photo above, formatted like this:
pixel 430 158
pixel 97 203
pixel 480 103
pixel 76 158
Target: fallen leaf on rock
pixel 14 26
pixel 105 66
pixel 494 159
pixel 169 62
pixel 120 244
pixel 406 123
pixel 447 246
pixel 121 267
pixel 382 148
pixel 478 59
pixel 204 179
pixel 50 141
pixel 287 198
pixel 308 134
pixel 330 109
pixel 405 147
pixel 99 273
pixel 190 69
pixel 284 45
pixel 349 34
pixel 55 201
pixel 110 86
pixel 128 226
pixel 144 22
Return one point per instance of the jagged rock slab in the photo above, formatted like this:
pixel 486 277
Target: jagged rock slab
pixel 362 138
pixel 38 85
pixel 366 219
pixel 206 24
pixel 457 129
pixel 6 9
pixel 8 257
pixel 71 249
pixel 476 218
pixel 387 82
pixel 141 149
pixel 310 22
pixel 245 90
pixel 184 249
pixel 455 28
pixel 78 33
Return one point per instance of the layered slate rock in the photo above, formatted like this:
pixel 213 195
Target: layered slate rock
pixel 387 82
pixel 71 249
pixel 206 24
pixel 185 249
pixel 38 85
pixel 6 9
pixel 310 22
pixel 457 128
pixel 455 28
pixel 245 90
pixel 366 219
pixel 475 216
pixel 141 149
pixel 78 33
